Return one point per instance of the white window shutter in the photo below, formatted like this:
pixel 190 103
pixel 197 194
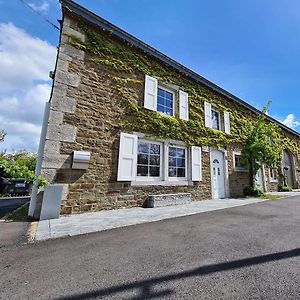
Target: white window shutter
pixel 207 114
pixel 183 105
pixel 226 122
pixel 150 97
pixel 127 157
pixel 196 164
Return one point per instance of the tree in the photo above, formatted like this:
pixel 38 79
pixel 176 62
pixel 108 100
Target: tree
pixel 261 147
pixel 2 135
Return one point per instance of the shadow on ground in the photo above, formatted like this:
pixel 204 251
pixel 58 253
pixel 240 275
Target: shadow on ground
pixel 146 288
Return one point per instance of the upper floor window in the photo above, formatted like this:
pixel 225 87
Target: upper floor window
pixel 165 98
pixel 215 119
pixel 165 101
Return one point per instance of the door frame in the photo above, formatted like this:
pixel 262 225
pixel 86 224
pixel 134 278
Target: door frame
pixel 226 175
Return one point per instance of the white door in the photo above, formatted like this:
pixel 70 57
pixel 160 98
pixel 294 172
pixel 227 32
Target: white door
pixel 260 179
pixel 218 174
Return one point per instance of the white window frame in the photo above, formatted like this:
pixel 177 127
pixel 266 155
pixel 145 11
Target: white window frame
pixel 167 164
pixel 236 168
pixel 274 177
pixel 162 87
pixel 219 116
pixel 151 178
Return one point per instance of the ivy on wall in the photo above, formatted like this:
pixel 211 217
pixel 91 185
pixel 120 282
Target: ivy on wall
pixel 128 61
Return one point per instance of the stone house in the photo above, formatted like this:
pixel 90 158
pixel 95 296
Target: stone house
pixel 125 122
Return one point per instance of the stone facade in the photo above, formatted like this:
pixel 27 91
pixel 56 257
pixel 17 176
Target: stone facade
pixel 86 114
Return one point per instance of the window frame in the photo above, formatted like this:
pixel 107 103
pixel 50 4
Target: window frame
pixel 169 178
pixel 235 167
pixel 169 90
pixel 151 178
pixel 219 116
pixel 274 177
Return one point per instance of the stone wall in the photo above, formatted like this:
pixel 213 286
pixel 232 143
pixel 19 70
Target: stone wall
pixel 87 114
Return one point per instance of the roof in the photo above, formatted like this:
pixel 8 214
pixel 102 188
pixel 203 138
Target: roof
pixel 104 24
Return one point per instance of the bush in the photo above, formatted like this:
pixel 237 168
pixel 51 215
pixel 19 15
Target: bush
pixel 252 192
pixel 284 188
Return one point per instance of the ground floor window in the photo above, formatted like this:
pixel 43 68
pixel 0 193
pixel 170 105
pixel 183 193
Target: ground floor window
pixel 160 161
pixel 149 160
pixel 272 174
pixel 237 157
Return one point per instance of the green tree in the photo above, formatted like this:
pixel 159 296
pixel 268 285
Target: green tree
pixel 262 146
pixel 21 164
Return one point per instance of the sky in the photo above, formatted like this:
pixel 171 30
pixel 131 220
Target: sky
pixel 249 48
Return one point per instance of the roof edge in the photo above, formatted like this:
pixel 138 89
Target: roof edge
pixel 97 20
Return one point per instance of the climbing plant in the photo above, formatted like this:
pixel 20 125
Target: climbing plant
pixel 128 65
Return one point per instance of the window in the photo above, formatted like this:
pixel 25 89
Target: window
pixel 272 174
pixel 237 162
pixel 215 119
pixel 149 160
pixel 165 101
pixel 177 162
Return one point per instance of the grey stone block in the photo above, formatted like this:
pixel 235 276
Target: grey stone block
pixel 53 196
pixel 49 174
pixel 64 104
pixel 71 51
pixel 51 147
pixel 62 133
pixel 168 200
pixel 67 78
pixel 57 161
pixel 55 117
pixel 70 31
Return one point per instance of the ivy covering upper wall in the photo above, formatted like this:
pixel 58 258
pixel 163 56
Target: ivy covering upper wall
pixel 128 61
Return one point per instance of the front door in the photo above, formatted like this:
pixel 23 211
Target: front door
pixel 287 168
pixel 218 174
pixel 259 178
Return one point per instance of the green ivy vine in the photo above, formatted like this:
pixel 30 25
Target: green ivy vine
pixel 128 62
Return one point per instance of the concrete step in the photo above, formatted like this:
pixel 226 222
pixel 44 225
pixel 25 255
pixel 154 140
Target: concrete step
pixel 168 200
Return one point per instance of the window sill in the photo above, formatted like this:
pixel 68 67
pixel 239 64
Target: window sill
pixel 162 183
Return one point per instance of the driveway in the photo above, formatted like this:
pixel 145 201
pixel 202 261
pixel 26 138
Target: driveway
pixel 247 252
pixel 9 204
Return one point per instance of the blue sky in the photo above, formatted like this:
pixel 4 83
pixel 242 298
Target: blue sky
pixel 250 48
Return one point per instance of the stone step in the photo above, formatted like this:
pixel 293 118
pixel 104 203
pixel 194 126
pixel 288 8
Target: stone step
pixel 168 200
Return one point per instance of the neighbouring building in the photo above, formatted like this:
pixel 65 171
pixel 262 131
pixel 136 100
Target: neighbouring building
pixel 126 125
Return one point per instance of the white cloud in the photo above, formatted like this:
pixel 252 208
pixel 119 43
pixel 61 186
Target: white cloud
pixel 40 8
pixel 23 58
pixel 291 121
pixel 25 62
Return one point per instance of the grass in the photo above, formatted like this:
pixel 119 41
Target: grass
pixel 271 197
pixel 20 214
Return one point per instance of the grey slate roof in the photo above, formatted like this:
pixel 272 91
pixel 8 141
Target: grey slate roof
pixel 104 24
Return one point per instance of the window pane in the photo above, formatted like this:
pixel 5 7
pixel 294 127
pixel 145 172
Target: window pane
pixel 172 172
pixel 180 152
pixel 154 160
pixel 154 149
pixel 172 151
pixel 160 108
pixel 154 171
pixel 169 95
pixel 143 159
pixel 169 103
pixel 142 170
pixel 169 111
pixel 160 100
pixel 181 172
pixel 143 148
pixel 172 161
pixel 180 162
pixel 160 92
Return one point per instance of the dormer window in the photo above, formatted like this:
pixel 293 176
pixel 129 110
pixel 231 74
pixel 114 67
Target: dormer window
pixel 165 101
pixel 215 119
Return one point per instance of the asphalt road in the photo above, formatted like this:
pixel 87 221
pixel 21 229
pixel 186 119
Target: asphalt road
pixel 248 252
pixel 9 204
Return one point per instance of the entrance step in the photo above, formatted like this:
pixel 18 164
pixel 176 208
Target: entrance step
pixel 168 199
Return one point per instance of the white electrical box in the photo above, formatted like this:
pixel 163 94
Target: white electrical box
pixel 81 160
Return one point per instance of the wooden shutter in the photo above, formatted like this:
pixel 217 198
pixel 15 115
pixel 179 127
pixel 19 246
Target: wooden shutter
pixel 183 105
pixel 207 114
pixel 196 164
pixel 150 96
pixel 226 122
pixel 127 157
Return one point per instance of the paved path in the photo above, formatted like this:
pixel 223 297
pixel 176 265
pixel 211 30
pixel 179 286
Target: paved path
pixel 245 252
pixel 104 220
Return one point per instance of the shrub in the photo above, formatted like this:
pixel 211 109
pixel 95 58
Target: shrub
pixel 284 188
pixel 252 192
